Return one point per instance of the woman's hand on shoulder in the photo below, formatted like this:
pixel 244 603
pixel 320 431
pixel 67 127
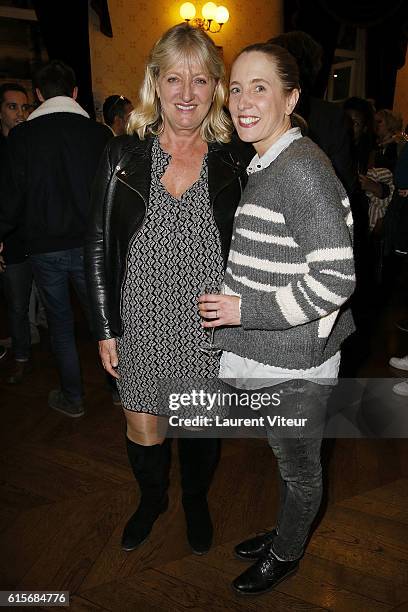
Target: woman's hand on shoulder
pixel 109 356
pixel 219 309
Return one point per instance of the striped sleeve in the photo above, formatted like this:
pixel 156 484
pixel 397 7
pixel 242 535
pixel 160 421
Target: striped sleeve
pixel 317 213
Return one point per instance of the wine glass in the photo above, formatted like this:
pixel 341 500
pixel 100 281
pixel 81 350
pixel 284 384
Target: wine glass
pixel 209 347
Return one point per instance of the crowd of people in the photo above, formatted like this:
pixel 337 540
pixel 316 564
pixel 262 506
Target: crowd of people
pixel 208 232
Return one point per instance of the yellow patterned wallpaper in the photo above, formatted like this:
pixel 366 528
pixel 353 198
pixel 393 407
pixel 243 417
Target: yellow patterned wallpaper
pixel 117 63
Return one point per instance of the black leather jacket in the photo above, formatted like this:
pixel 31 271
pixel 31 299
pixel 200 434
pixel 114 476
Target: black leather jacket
pixel 119 202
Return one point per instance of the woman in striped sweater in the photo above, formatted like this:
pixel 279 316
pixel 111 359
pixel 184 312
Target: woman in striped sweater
pixel 283 313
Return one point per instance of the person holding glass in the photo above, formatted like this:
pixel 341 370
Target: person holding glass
pixel 160 231
pixel 284 313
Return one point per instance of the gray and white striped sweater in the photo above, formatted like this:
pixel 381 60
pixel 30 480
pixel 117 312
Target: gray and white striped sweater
pixel 291 261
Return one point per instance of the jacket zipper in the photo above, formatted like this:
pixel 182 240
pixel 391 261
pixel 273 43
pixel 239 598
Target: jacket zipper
pixel 130 242
pixel 212 205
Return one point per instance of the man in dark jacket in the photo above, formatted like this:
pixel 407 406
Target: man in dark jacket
pixel 17 275
pixel 52 160
pixel 327 124
pixel 116 110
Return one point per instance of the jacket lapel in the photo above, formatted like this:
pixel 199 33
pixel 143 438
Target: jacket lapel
pixel 135 168
pixel 223 169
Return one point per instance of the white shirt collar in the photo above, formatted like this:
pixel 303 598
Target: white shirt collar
pixel 260 163
pixel 58 104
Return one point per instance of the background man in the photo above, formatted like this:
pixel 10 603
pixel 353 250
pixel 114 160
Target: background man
pixel 52 160
pixel 116 110
pixel 17 274
pixel 327 123
pixel 14 106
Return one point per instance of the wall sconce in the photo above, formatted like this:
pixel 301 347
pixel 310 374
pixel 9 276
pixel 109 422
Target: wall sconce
pixel 213 16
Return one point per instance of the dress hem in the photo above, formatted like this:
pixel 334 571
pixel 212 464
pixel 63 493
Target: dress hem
pixel 145 412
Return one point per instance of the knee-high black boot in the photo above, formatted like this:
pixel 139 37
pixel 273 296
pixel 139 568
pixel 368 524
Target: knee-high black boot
pixel 198 461
pixel 150 465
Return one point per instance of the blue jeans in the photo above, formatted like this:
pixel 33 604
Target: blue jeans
pixel 18 279
pixel 297 452
pixel 53 273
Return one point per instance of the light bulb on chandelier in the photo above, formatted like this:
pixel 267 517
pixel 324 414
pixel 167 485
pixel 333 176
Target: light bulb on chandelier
pixel 213 16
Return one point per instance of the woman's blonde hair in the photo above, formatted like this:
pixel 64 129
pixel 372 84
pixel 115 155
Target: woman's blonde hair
pixel 181 42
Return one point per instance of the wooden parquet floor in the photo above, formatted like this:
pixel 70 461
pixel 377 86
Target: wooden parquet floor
pixel 67 491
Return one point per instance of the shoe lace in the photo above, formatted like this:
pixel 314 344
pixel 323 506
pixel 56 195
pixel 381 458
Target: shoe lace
pixel 266 562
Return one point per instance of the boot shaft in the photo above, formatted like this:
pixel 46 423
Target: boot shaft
pixel 199 458
pixel 150 466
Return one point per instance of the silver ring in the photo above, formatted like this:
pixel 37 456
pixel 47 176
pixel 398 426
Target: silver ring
pixel 216 314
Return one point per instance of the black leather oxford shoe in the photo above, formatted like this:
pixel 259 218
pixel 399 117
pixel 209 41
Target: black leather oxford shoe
pixel 264 575
pixel 256 547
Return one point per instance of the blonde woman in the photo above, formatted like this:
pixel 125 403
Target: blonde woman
pixel 163 208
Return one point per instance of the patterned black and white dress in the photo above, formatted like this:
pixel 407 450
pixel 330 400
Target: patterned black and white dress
pixel 174 258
